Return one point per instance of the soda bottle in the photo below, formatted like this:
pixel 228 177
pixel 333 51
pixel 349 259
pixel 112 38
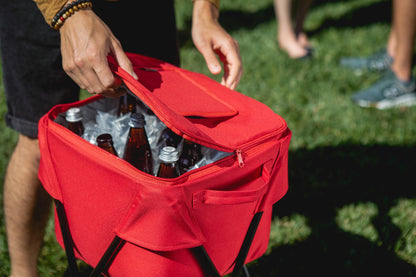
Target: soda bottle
pixel 138 151
pixel 74 119
pixel 191 154
pixel 105 141
pixel 127 104
pixel 168 163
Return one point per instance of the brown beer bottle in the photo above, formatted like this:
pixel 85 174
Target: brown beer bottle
pixel 168 163
pixel 74 119
pixel 169 138
pixel 138 151
pixel 127 104
pixel 191 154
pixel 105 141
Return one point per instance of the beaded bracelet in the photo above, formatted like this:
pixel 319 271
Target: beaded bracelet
pixel 59 19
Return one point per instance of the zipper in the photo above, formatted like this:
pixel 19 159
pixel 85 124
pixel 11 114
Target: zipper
pixel 252 145
pixel 215 166
pixel 248 149
pixel 239 158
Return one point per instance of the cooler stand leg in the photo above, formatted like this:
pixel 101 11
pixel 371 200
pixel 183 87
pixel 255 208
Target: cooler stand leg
pixel 104 262
pixel 245 247
pixel 108 257
pixel 209 266
pixel 66 236
pixel 205 261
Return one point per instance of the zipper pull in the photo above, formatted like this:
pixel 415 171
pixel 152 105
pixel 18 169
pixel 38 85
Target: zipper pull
pixel 239 158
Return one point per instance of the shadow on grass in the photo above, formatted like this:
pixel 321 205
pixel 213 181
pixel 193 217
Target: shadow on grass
pixel 322 181
pixel 233 20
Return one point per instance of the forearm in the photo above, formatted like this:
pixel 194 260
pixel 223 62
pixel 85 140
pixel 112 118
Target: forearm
pixel 49 8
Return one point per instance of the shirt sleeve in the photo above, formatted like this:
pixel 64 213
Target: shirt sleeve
pixel 49 8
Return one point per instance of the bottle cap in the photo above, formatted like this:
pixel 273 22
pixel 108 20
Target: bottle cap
pixel 103 138
pixel 169 154
pixel 73 115
pixel 137 120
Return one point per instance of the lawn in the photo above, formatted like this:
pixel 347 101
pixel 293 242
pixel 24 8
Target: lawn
pixel 351 204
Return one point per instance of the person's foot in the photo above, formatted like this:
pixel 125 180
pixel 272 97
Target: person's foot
pixel 378 62
pixel 303 40
pixel 388 92
pixel 293 48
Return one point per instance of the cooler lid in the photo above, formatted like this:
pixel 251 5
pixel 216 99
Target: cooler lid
pixel 199 108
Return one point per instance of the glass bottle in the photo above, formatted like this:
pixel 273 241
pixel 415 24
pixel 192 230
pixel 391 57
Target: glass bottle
pixel 74 119
pixel 138 151
pixel 105 141
pixel 127 104
pixel 191 154
pixel 169 138
pixel 168 162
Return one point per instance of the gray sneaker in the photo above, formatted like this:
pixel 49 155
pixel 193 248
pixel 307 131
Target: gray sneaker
pixel 386 93
pixel 378 62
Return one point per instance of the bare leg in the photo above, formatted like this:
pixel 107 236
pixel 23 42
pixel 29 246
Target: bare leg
pixel 301 12
pixel 26 208
pixel 286 36
pixel 392 40
pixel 404 16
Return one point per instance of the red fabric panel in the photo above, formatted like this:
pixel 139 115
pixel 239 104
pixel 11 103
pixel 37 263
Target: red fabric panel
pixel 46 168
pixel 159 219
pixel 183 95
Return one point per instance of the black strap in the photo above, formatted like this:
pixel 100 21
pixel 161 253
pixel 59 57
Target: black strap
pixel 105 260
pixel 67 238
pixel 108 257
pixel 245 247
pixel 209 266
pixel 205 261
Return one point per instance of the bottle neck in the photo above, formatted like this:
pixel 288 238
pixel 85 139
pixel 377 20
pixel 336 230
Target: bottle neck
pixel 109 147
pixel 77 127
pixel 127 104
pixel 138 136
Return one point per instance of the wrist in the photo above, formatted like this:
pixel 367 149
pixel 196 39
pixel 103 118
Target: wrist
pixel 204 10
pixel 68 10
pixel 216 3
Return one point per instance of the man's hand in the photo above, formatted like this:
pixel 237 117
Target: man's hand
pixel 86 41
pixel 211 40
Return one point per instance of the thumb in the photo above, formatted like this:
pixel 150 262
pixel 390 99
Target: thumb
pixel 211 59
pixel 123 61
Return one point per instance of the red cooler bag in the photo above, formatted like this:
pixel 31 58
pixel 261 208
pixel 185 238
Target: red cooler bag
pixel 207 222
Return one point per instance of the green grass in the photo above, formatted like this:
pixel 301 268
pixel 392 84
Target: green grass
pixel 351 205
